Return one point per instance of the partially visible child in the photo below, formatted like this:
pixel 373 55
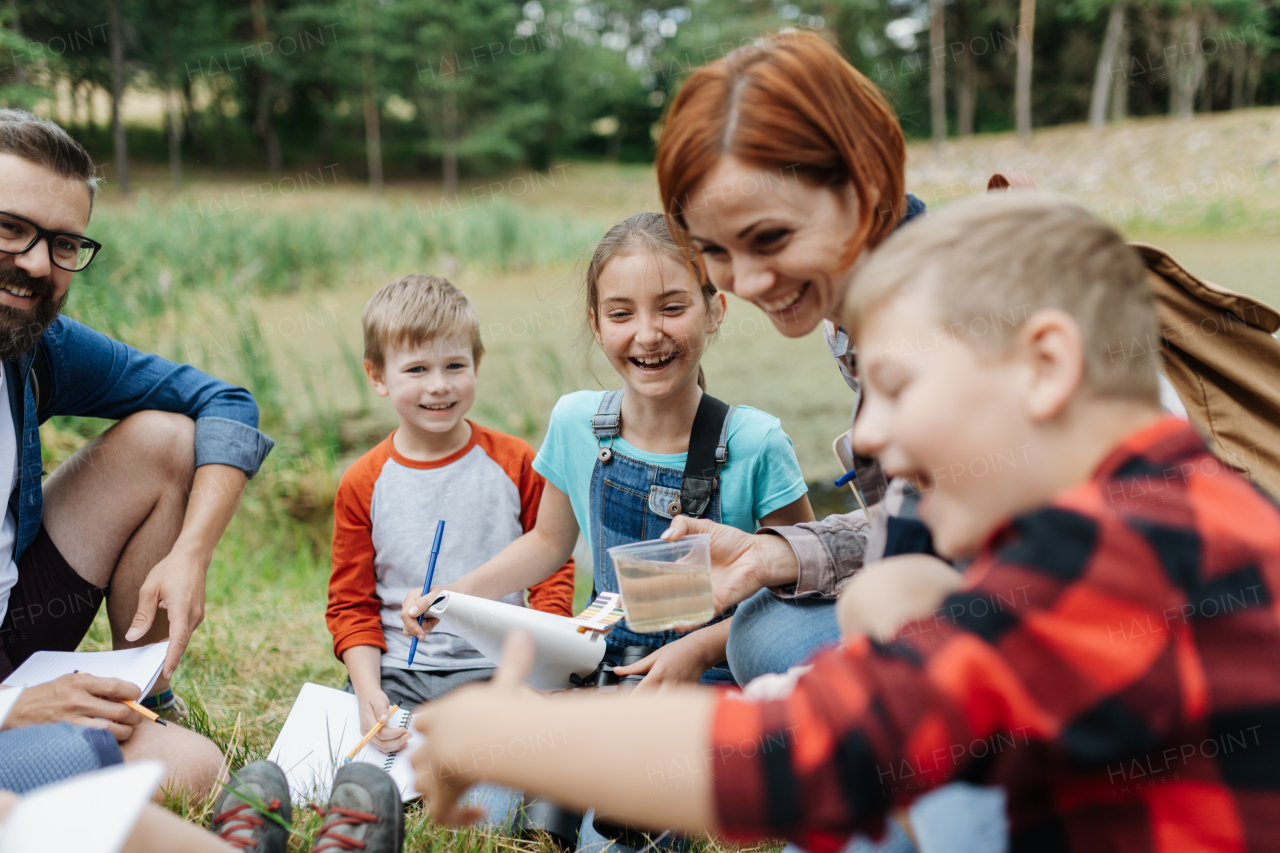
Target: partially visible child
pixel 422 350
pixel 615 461
pixel 1113 657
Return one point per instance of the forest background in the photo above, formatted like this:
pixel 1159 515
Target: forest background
pixel 268 164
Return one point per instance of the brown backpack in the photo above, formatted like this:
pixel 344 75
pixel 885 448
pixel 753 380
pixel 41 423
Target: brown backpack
pixel 1220 356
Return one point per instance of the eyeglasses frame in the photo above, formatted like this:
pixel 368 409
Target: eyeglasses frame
pixel 48 236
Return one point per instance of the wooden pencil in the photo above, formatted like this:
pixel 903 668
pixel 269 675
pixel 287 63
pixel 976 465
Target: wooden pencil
pixel 364 741
pixel 144 711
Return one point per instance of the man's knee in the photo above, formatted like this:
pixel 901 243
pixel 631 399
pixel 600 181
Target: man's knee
pixel 193 763
pixel 169 439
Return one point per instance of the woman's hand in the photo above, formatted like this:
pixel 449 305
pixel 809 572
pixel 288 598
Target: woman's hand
pixel 680 662
pixel 741 563
pixel 375 708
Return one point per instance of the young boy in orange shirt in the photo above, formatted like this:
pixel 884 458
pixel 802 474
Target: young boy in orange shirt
pixel 1112 657
pixel 422 350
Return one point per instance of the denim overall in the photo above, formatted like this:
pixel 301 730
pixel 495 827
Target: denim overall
pixel 632 501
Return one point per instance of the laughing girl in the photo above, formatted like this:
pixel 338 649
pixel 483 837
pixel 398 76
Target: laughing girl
pixel 615 461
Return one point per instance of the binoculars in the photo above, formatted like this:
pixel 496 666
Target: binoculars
pixel 561 825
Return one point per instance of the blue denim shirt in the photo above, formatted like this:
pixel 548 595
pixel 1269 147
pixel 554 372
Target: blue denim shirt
pixel 94 376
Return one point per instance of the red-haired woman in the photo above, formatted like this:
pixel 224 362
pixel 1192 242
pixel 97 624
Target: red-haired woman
pixel 780 164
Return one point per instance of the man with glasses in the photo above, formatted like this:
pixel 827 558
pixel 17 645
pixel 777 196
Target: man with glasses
pixel 134 515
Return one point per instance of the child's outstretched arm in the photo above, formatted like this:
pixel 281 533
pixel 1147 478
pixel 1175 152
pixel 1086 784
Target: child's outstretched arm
pixel 478 732
pixel 533 557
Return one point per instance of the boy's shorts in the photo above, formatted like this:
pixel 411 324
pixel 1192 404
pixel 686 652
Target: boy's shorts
pixel 409 688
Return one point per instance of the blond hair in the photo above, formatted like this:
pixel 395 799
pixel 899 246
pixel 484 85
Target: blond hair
pixel 990 263
pixel 413 310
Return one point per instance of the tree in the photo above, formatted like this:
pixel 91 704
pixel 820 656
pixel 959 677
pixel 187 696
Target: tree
pixel 1187 63
pixel 117 93
pixel 937 73
pixel 1103 76
pixel 1022 84
pixel 369 101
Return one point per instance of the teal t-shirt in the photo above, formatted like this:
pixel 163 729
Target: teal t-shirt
pixel 761 475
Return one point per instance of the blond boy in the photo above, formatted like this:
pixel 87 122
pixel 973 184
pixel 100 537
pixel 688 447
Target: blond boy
pixel 422 350
pixel 1113 657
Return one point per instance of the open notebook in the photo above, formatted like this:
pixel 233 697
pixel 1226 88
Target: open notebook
pixel 322 728
pixel 140 666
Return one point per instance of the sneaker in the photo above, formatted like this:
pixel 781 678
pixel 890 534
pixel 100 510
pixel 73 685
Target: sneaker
pixel 168 705
pixel 365 812
pixel 240 820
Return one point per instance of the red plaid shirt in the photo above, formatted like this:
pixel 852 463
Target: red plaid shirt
pixel 1113 662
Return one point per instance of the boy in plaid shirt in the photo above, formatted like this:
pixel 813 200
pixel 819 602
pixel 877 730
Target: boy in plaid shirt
pixel 1112 656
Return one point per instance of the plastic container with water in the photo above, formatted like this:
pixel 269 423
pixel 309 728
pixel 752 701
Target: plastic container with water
pixel 665 585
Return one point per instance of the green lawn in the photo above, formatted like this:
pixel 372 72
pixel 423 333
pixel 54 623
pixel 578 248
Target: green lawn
pixel 271 298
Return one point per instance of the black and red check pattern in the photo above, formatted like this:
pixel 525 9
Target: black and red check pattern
pixel 1114 662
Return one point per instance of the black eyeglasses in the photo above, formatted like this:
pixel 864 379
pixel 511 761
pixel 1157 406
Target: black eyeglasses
pixel 71 252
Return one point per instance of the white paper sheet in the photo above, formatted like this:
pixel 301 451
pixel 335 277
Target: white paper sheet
pixel 140 665
pixel 562 651
pixel 7 698
pixel 91 813
pixel 323 726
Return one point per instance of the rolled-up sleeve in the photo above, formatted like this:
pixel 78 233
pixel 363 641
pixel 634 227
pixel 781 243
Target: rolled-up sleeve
pixel 222 441
pixel 829 552
pixel 93 375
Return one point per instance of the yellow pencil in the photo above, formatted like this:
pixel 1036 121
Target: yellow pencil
pixel 144 711
pixel 373 731
pixel 141 709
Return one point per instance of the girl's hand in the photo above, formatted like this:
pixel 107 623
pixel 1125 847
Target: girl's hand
pixel 414 605
pixel 679 662
pixel 374 708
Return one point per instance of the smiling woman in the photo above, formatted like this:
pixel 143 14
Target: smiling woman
pixel 781 163
pixel 778 166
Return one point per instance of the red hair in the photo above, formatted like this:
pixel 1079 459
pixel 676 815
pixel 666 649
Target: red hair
pixel 793 103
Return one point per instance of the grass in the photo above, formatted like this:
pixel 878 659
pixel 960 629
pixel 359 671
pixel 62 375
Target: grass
pixel 269 297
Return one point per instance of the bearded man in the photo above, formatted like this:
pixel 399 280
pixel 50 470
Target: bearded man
pixel 133 517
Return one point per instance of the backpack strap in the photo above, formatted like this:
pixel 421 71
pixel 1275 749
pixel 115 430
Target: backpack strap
pixel 41 382
pixel 708 450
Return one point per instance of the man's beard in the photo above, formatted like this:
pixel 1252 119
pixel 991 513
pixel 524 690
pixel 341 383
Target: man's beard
pixel 20 328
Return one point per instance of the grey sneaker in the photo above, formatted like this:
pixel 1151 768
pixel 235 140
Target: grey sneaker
pixel 365 812
pixel 240 820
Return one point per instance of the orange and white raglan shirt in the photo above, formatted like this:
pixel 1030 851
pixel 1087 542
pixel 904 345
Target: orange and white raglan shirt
pixel 384 520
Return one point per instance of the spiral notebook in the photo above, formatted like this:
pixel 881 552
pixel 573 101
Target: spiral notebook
pixel 322 727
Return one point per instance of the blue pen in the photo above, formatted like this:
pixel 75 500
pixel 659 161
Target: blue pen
pixel 845 477
pixel 426 585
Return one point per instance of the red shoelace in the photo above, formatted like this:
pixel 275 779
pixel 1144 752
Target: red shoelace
pixel 244 816
pixel 327 840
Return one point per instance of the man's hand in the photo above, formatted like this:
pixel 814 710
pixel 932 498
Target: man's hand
pixel 80 699
pixel 374 709
pixel 176 584
pixel 741 563
pixel 412 607
pixel 885 596
pixel 443 772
